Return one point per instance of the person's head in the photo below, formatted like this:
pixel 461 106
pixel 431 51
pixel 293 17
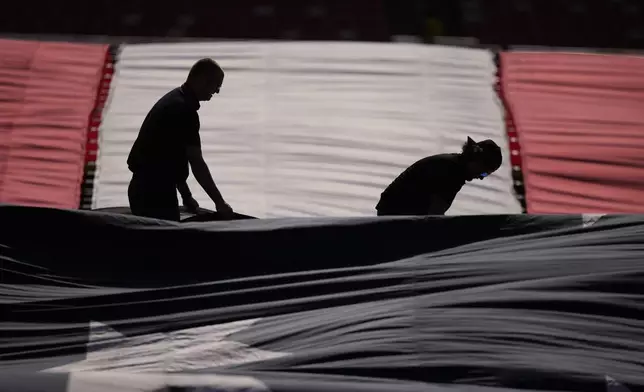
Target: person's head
pixel 482 158
pixel 205 79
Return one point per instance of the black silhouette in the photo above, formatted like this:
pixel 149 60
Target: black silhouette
pixel 169 142
pixel 429 186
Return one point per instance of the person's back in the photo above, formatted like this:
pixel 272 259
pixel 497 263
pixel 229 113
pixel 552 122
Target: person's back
pixel 158 151
pixel 427 187
pixel 430 185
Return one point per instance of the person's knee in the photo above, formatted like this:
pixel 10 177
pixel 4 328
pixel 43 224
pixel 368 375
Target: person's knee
pixel 384 213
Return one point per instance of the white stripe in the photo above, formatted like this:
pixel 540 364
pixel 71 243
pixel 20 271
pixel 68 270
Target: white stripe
pixel 590 219
pixel 315 129
pixel 188 349
pixel 613 385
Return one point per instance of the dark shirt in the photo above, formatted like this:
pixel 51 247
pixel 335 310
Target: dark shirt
pixel 169 128
pixel 428 187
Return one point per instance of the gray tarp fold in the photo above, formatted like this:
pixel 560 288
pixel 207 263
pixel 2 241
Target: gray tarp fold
pixel 449 303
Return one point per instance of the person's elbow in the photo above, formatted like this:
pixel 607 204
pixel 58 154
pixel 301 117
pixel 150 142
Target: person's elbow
pixel 197 163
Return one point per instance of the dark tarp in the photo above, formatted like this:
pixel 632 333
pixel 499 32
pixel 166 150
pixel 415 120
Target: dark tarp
pixel 361 304
pixel 202 215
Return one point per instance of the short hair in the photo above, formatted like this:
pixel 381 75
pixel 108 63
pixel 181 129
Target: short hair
pixel 204 66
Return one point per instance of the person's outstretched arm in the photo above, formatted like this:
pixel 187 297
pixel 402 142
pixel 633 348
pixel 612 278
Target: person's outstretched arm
pixel 192 142
pixel 204 178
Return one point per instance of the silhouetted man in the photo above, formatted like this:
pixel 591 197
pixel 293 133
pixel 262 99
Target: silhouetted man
pixel 168 143
pixel 429 186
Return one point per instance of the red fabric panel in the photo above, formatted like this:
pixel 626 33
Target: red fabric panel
pixel 48 91
pixel 580 122
pixel 95 119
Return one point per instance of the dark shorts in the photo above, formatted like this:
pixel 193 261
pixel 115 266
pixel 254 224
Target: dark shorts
pixel 152 197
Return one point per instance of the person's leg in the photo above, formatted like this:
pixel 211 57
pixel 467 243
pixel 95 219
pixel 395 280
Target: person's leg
pixel 152 198
pixel 135 196
pixel 167 204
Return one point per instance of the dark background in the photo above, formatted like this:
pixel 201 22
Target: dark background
pixel 563 23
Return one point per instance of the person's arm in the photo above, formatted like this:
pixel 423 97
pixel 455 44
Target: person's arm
pixel 184 191
pixel 186 197
pixel 437 206
pixel 204 178
pixel 192 141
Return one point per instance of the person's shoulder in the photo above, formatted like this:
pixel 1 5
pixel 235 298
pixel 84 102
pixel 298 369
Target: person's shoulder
pixel 449 158
pixel 450 162
pixel 440 159
pixel 173 102
pixel 171 98
pixel 438 165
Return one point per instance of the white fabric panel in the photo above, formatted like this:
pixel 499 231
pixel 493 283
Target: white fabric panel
pixel 315 129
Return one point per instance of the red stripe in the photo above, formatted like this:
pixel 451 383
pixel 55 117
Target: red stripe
pixel 513 135
pixel 96 116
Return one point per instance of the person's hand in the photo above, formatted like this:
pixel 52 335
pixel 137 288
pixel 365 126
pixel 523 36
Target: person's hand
pixel 225 210
pixel 191 205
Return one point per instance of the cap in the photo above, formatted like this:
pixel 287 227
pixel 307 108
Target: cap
pixel 488 152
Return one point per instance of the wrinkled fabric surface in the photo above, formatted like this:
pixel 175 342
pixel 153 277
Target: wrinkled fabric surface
pixel 95 301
